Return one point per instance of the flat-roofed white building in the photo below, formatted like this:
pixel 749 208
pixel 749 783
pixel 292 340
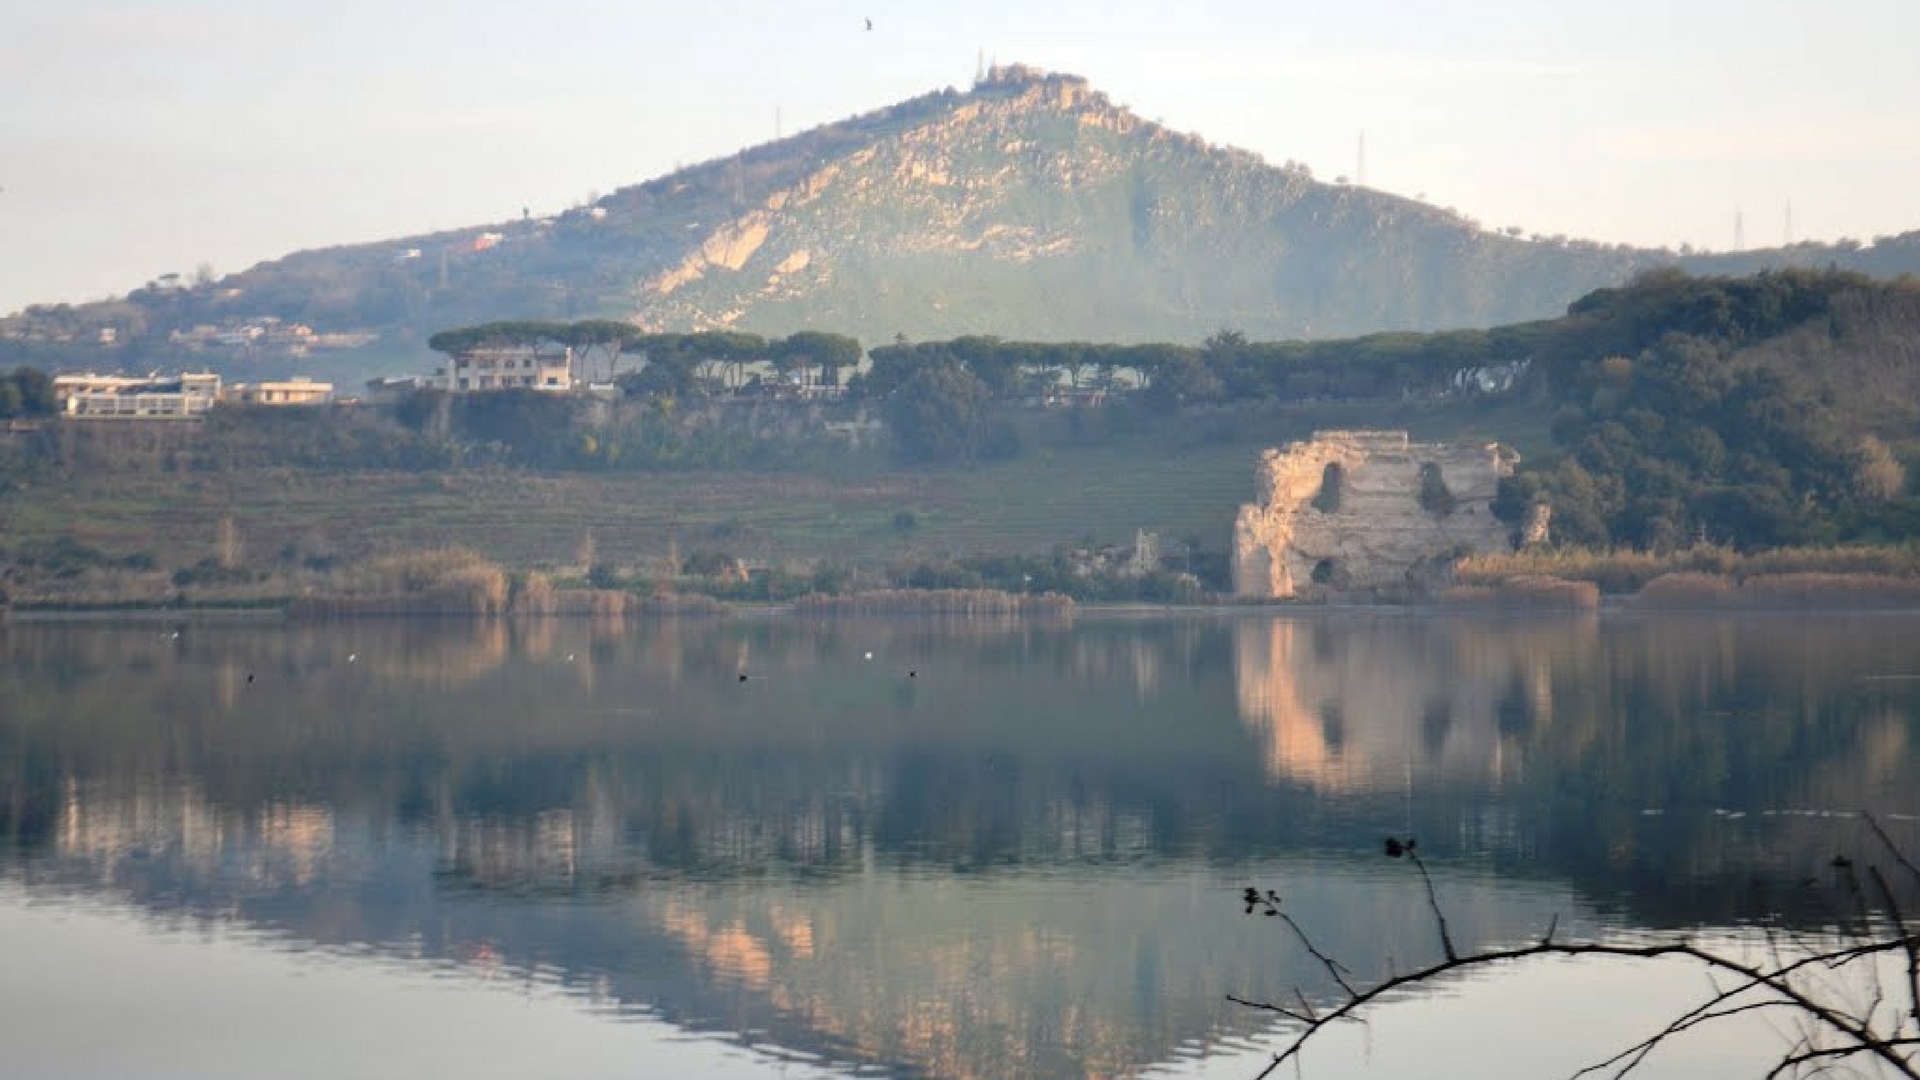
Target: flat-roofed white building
pixel 511 367
pixel 299 390
pixel 128 397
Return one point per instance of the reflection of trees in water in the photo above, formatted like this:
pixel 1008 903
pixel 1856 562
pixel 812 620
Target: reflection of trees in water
pixel 1539 740
pixel 996 869
pixel 707 770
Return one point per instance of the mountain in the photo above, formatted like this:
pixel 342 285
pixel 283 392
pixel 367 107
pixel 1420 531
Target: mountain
pixel 1029 207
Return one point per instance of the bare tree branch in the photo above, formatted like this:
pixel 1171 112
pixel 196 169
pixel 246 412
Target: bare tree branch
pixel 1792 1061
pixel 1635 1054
pixel 1893 848
pixel 1773 981
pixel 1271 902
pixel 1433 901
pixel 1806 975
pixel 1305 1017
pixel 1912 944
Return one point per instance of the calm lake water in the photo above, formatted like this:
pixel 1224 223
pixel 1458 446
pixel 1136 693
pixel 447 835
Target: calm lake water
pixel 901 848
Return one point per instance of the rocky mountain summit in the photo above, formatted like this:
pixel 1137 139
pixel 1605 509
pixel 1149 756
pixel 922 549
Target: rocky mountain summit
pixel 1028 207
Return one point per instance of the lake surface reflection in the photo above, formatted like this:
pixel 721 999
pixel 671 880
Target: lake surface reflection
pixel 912 849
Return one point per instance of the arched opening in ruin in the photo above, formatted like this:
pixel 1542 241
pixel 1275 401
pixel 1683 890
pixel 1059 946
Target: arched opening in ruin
pixel 1332 479
pixel 1435 497
pixel 1323 572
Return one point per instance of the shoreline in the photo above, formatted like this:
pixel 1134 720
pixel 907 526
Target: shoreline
pixel 1611 607
pixel 141 614
pixel 1525 594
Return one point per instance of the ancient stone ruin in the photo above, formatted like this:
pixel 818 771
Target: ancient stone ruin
pixel 1366 512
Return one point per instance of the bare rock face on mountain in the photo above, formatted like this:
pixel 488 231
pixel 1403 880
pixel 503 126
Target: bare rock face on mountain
pixel 1034 207
pixel 1365 511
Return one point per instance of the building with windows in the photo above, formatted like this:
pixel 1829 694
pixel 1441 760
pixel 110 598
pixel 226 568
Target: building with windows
pixel 512 367
pixel 299 390
pixel 131 397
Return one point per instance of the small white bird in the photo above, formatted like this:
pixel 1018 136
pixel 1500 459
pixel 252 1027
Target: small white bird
pixel 869 652
pixel 352 656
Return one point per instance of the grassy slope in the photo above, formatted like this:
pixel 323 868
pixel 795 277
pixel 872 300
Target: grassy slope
pixel 1174 481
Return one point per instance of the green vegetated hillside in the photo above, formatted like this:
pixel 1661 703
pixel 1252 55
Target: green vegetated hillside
pixel 1029 207
pixel 1752 413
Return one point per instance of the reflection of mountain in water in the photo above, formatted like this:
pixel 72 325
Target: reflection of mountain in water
pixel 1022 862
pixel 1034 973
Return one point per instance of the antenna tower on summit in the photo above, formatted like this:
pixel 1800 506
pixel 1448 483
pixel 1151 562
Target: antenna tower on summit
pixel 980 68
pixel 1360 167
pixel 1739 230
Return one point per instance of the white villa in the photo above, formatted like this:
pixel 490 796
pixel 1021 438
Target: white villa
pixel 513 367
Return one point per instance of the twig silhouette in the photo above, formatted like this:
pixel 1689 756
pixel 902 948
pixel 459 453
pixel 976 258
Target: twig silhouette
pixel 1799 974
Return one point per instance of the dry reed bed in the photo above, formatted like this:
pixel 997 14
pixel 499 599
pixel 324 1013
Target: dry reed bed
pixel 441 582
pixel 1525 593
pixel 1619 571
pixel 458 582
pixel 946 603
pixel 458 603
pixel 1777 592
pixel 535 595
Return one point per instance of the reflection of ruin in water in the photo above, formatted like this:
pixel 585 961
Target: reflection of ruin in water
pixel 1358 704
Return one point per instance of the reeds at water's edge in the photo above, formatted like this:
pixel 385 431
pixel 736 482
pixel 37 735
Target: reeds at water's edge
pixel 1777 592
pixel 965 603
pixel 1623 570
pixel 1705 577
pixel 460 583
pixel 455 582
pixel 1525 593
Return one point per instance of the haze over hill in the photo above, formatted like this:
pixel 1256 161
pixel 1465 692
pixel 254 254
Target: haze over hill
pixel 1030 207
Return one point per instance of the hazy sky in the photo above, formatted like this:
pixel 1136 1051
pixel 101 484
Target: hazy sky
pixel 139 137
